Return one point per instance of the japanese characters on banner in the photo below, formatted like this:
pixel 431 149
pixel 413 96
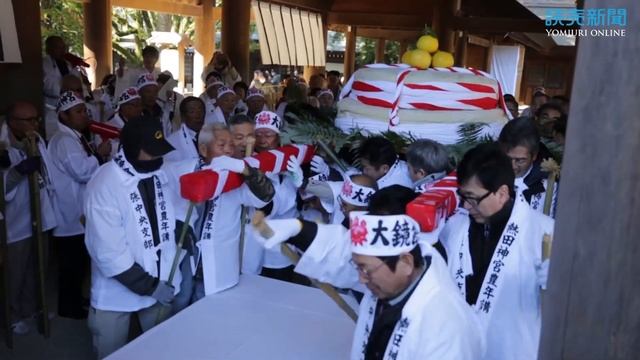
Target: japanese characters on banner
pixel 491 285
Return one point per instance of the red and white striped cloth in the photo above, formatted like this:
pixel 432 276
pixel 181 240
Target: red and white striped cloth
pixel 271 161
pixel 429 95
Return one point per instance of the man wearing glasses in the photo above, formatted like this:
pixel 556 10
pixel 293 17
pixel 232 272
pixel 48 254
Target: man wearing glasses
pixel 494 250
pixel 411 308
pixel 22 122
pixel 519 139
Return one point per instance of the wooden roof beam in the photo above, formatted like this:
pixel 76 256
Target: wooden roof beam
pixel 170 7
pixel 482 25
pixel 321 6
pixel 389 34
pixel 399 21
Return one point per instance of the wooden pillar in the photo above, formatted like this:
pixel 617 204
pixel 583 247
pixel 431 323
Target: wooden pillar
pixel 380 45
pixel 350 52
pixel 97 39
pixel 443 13
pixel 205 27
pixel 591 306
pixel 24 81
pixel 461 50
pixel 235 34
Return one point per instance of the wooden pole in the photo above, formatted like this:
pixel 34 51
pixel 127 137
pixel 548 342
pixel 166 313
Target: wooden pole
pixel 36 224
pixel 97 39
pixel 350 52
pixel 4 272
pixel 592 309
pixel 235 34
pixel 380 45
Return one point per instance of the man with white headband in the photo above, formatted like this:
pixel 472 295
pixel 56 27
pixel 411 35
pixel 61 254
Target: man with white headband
pixel 225 103
pixel 255 102
pixel 325 97
pixel 129 107
pixel 74 162
pixel 148 89
pixel 210 94
pixel 411 308
pixel 267 133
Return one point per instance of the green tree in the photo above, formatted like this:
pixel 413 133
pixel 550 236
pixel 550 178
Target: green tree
pixel 366 51
pixel 63 18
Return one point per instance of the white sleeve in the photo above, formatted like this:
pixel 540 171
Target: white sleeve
pixel 327 258
pixel 248 198
pixel 105 237
pixel 51 84
pixel 74 159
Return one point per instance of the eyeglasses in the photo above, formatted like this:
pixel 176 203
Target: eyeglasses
pixel 472 201
pixel 366 273
pixel 519 161
pixel 34 119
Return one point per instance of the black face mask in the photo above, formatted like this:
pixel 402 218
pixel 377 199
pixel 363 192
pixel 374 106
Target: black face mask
pixel 147 166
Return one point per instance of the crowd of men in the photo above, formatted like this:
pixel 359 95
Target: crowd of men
pixel 468 289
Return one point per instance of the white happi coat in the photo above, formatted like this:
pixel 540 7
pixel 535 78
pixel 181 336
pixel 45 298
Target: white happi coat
pixel 116 121
pixel 119 235
pixel 284 207
pixel 70 172
pixel 215 116
pixel 508 305
pixel 537 200
pixel 398 174
pixel 439 325
pixel 219 240
pixel 18 199
pixel 183 142
pixel 52 79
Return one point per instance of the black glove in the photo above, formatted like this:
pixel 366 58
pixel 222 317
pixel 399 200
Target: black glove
pixel 5 162
pixel 28 165
pixel 163 293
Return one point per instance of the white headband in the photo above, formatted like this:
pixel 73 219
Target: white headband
pixel 325 92
pixel 355 194
pixel 382 235
pixel 67 100
pixel 253 92
pixel 268 120
pixel 145 80
pixel 214 83
pixel 128 95
pixel 223 91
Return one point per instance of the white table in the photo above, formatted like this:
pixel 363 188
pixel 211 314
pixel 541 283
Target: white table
pixel 260 318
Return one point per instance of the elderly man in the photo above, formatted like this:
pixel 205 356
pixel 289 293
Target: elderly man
pixel 22 122
pixel 185 140
pixel 215 256
pixel 54 68
pixel 495 254
pixel 130 210
pixel 410 309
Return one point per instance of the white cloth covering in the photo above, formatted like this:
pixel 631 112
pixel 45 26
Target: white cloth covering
pixel 439 324
pixel 511 317
pixel 115 239
pixel 18 200
pixel 70 172
pixel 183 142
pixel 398 174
